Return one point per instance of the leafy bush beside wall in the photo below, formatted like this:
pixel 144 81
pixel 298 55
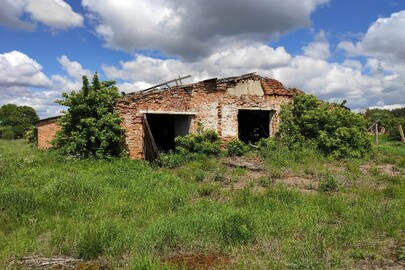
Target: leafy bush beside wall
pixel 90 127
pixel 331 128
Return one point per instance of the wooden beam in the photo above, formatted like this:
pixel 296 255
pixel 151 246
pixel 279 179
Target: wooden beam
pixel 376 133
pixel 401 132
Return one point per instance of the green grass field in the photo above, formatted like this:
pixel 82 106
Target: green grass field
pixel 127 214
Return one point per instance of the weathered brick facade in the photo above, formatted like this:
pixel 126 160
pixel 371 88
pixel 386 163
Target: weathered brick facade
pixel 47 129
pixel 213 103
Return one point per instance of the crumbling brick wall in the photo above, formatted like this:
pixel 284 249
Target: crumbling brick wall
pixel 47 129
pixel 213 103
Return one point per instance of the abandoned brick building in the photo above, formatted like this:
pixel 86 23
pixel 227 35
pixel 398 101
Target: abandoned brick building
pixel 245 107
pixel 47 129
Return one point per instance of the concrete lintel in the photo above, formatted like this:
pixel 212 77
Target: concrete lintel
pixel 168 112
pixel 257 109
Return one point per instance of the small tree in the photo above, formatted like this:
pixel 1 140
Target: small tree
pixel 90 127
pixel 15 120
pixel 333 129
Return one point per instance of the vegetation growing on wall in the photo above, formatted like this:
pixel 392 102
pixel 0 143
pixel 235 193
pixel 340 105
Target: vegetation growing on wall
pixel 329 127
pixel 15 120
pixel 90 127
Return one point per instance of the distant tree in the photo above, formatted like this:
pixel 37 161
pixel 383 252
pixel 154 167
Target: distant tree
pixel 15 120
pixel 90 127
pixel 389 119
pixel 330 127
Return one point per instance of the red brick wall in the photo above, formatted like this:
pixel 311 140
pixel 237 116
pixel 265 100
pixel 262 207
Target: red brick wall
pixel 211 101
pixel 46 132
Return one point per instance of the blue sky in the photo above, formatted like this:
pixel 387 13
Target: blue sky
pixel 350 50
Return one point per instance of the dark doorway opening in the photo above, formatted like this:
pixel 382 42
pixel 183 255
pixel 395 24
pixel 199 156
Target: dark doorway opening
pixel 254 125
pixel 166 127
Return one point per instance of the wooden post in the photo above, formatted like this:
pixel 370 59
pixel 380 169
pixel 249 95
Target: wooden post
pixel 401 132
pixel 376 133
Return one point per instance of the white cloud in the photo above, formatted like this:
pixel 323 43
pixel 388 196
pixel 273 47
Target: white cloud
pixel 56 14
pixel 229 62
pixel 17 69
pixel 384 40
pixel 73 68
pixel 319 48
pixel 336 82
pixel 192 29
pixel 23 83
pixel 133 87
pixel 10 13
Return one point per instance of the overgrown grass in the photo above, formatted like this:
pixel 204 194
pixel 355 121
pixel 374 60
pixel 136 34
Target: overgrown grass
pixel 134 215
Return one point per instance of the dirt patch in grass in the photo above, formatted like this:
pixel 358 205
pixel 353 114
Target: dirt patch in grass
pixel 305 185
pixel 371 168
pixel 60 263
pixel 249 163
pixel 257 178
pixel 200 261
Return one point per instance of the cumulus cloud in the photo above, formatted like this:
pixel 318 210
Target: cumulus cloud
pixel 22 82
pixel 10 13
pixel 56 14
pixel 193 29
pixel 17 69
pixel 73 68
pixel 335 82
pixel 319 48
pixel 383 40
pixel 229 62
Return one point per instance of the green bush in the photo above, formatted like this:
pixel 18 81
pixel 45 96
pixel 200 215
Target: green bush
pixel 90 127
pixel 267 146
pixel 6 133
pixel 331 128
pixel 15 120
pixel 31 135
pixel 172 160
pixel 236 148
pixel 206 142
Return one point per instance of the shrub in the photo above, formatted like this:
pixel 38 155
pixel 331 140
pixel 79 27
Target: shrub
pixel 31 135
pixel 238 229
pixel 16 120
pixel 236 148
pixel 6 133
pixel 90 127
pixel 331 128
pixel 172 160
pixel 205 142
pixel 267 146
